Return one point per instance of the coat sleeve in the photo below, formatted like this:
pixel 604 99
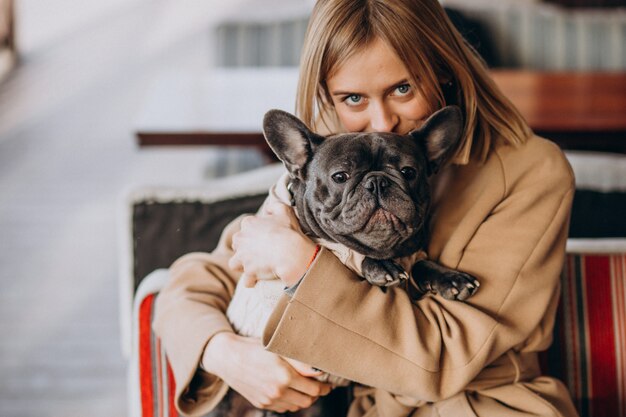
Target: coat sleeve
pixel 434 348
pixel 190 310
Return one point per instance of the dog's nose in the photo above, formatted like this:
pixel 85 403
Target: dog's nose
pixel 376 184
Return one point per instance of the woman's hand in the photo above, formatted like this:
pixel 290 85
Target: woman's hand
pixel 271 245
pixel 262 377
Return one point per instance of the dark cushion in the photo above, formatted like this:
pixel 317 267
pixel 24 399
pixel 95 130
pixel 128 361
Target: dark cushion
pixel 597 214
pixel 162 232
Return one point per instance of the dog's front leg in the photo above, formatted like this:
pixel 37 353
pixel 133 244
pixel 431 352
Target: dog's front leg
pixel 429 276
pixel 383 272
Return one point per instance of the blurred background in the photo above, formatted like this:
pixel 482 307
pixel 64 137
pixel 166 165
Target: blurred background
pixel 90 91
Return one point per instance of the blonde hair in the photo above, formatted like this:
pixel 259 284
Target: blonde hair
pixel 433 51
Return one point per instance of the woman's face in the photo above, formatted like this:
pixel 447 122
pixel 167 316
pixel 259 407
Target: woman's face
pixel 371 93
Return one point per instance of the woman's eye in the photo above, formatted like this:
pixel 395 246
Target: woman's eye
pixel 353 100
pixel 403 90
pixel 408 173
pixel 340 177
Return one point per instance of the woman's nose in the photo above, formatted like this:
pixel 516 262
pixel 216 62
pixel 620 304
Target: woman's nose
pixel 382 119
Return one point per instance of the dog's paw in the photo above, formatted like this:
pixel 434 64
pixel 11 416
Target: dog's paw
pixel 455 285
pixel 382 272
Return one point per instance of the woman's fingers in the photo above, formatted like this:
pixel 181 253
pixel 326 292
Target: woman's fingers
pixel 296 400
pixel 292 399
pixel 235 263
pixel 303 368
pixel 310 387
pixel 249 280
pixel 247 222
pixel 285 397
pixel 283 214
pixel 262 377
pixel 269 246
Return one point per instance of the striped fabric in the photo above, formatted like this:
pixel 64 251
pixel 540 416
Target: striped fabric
pixel 588 353
pixel 589 350
pixel 156 379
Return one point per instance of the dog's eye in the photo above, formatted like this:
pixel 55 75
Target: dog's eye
pixel 340 177
pixel 408 173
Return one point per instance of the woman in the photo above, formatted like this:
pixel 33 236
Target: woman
pixel 500 213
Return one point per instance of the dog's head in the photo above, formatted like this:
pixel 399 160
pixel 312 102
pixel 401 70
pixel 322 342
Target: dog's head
pixel 368 191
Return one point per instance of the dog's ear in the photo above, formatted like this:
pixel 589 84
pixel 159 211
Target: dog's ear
pixel 290 139
pixel 441 135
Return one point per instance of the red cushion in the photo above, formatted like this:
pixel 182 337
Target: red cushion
pixel 157 386
pixel 589 349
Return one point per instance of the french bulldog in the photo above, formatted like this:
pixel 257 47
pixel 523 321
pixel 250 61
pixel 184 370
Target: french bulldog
pixel 369 193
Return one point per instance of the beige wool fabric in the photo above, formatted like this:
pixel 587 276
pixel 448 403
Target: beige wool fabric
pixel 503 220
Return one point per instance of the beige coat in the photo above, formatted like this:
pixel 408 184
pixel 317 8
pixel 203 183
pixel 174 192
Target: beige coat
pixel 504 221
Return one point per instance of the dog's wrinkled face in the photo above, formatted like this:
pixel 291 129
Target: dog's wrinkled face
pixel 368 191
